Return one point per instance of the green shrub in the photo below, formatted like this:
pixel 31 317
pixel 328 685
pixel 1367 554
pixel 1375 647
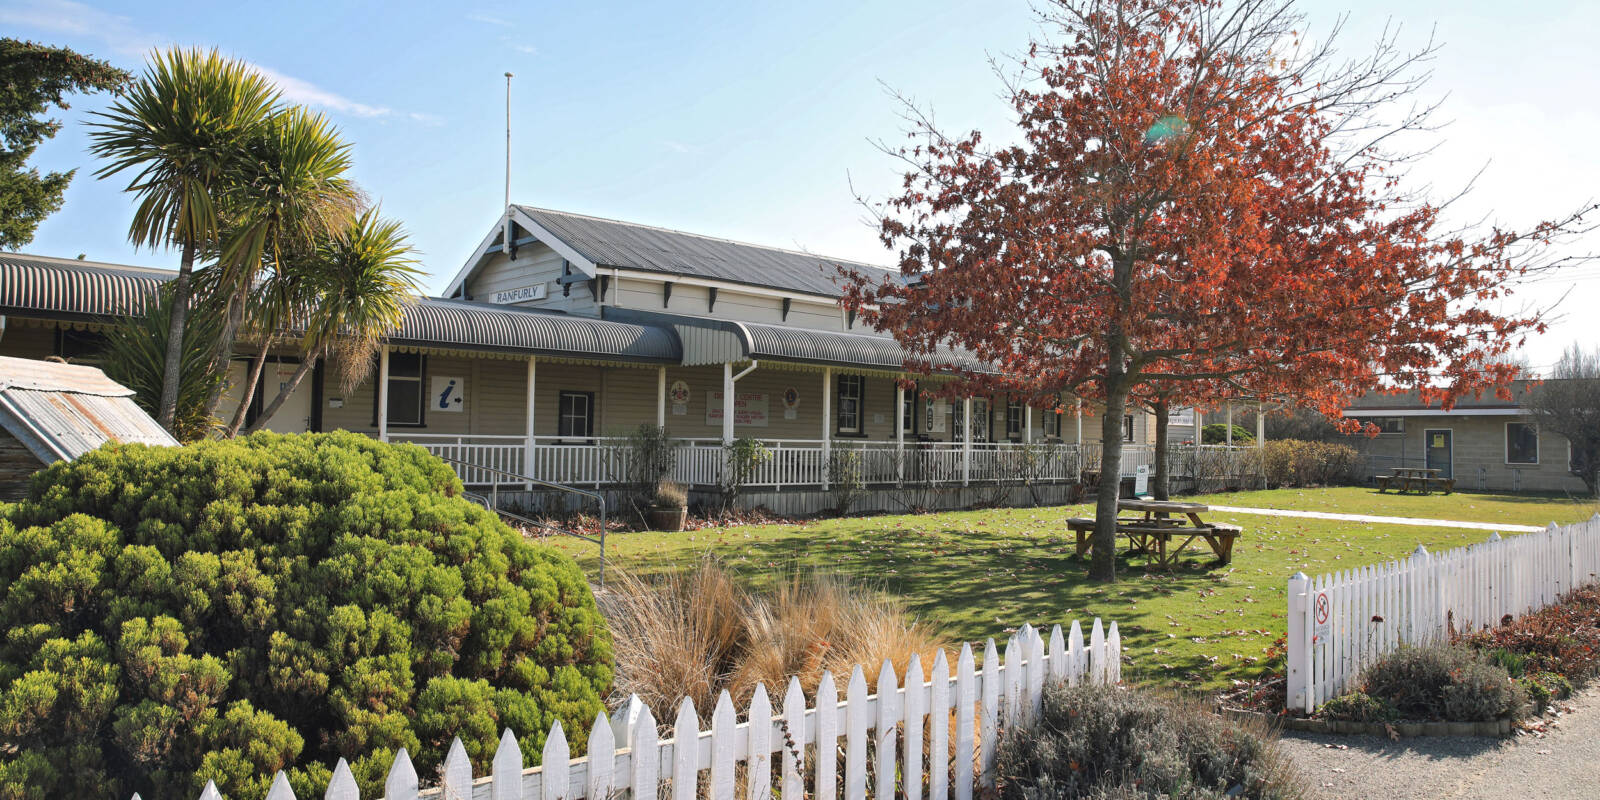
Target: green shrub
pixel 1544 688
pixel 1515 664
pixel 1217 433
pixel 1109 742
pixel 1359 707
pixel 1290 462
pixel 1450 682
pixel 227 609
pixel 1482 691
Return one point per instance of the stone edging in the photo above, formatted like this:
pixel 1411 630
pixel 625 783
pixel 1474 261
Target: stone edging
pixel 1495 729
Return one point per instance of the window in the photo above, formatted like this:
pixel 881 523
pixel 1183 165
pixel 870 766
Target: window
pixel 575 416
pixel 1013 420
pixel 1052 422
pixel 908 412
pixel 1127 428
pixel 1389 424
pixel 1522 443
pixel 405 390
pixel 980 419
pixel 850 394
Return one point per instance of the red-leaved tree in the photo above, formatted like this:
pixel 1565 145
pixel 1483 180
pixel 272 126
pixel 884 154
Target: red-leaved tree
pixel 1194 195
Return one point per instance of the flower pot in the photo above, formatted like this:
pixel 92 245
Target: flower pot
pixel 671 518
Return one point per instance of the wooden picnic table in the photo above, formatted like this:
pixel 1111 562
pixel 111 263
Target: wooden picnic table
pixel 1160 522
pixel 1414 479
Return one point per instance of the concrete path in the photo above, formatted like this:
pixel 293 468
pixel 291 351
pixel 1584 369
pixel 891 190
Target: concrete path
pixel 1563 763
pixel 1429 523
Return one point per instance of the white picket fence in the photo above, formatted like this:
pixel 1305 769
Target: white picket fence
pixel 1340 623
pixel 896 724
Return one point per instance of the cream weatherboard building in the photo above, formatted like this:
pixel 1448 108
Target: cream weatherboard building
pixel 563 333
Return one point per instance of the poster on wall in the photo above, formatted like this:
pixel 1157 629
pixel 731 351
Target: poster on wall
pixel 679 395
pixel 449 394
pixel 750 409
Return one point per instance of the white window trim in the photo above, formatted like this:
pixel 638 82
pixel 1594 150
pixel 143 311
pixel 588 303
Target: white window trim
pixel 1505 444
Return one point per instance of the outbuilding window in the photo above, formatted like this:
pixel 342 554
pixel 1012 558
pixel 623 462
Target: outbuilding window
pixel 1389 424
pixel 1522 443
pixel 1013 421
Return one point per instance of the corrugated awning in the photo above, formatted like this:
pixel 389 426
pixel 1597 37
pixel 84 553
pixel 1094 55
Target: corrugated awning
pixel 61 411
pixel 708 340
pixel 53 288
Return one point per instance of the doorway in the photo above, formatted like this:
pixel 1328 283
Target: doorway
pixel 1439 452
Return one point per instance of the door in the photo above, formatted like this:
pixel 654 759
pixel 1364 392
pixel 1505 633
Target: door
pixel 1437 447
pixel 294 416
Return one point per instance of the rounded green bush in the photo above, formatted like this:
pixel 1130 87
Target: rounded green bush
pixel 228 609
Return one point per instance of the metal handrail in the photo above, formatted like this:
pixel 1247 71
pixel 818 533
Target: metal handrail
pixel 531 481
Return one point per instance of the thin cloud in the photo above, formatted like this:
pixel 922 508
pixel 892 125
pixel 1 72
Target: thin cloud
pixel 76 19
pixel 478 16
pixel 680 147
pixel 121 35
pixel 309 94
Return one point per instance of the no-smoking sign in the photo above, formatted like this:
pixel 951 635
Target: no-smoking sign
pixel 1321 614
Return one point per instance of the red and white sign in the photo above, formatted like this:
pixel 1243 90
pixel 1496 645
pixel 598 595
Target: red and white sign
pixel 750 409
pixel 1321 616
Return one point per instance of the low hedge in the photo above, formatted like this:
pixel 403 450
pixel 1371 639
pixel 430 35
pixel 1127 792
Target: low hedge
pixel 1291 462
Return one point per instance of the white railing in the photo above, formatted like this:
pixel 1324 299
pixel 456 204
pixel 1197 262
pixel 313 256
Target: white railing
pixel 1340 623
pixel 624 753
pixel 601 460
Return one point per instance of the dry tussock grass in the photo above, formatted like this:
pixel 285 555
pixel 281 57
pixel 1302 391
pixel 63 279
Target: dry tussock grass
pixel 698 632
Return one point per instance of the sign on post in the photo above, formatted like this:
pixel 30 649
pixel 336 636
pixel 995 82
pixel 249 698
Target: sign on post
pixel 1321 616
pixel 1141 480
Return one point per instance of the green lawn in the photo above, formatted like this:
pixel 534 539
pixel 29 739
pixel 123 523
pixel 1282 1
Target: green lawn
pixel 978 573
pixel 1517 509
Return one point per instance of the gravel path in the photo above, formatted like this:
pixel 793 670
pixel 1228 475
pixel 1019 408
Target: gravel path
pixel 1562 763
pixel 1431 523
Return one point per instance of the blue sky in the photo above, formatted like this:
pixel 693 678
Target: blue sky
pixel 756 121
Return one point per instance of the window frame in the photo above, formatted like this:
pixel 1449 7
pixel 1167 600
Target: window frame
pixel 1053 417
pixel 563 431
pixel 1399 425
pixel 1127 429
pixel 1014 420
pixel 422 396
pixel 859 382
pixel 908 423
pixel 1534 426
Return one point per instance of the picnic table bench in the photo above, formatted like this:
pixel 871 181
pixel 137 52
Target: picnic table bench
pixel 1154 533
pixel 1421 480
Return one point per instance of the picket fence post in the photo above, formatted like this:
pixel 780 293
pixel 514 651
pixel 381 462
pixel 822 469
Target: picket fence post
pixel 1298 642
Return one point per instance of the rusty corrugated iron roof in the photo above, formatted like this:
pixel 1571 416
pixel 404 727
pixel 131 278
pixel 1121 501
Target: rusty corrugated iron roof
pixel 61 411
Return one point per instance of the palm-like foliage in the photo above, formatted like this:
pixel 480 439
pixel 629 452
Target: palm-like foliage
pixel 181 130
pixel 351 294
pixel 133 356
pixel 292 193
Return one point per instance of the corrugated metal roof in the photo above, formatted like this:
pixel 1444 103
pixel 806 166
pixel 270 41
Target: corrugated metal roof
pixel 60 288
pixel 629 245
pixel 71 288
pixel 61 411
pixel 709 340
pixel 485 326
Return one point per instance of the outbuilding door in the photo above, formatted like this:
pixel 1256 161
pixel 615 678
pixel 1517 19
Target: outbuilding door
pixel 1438 446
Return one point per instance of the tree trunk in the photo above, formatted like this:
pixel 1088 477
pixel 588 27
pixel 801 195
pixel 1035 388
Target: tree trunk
pixel 172 373
pixel 307 362
pixel 1103 558
pixel 1160 410
pixel 224 351
pixel 249 394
